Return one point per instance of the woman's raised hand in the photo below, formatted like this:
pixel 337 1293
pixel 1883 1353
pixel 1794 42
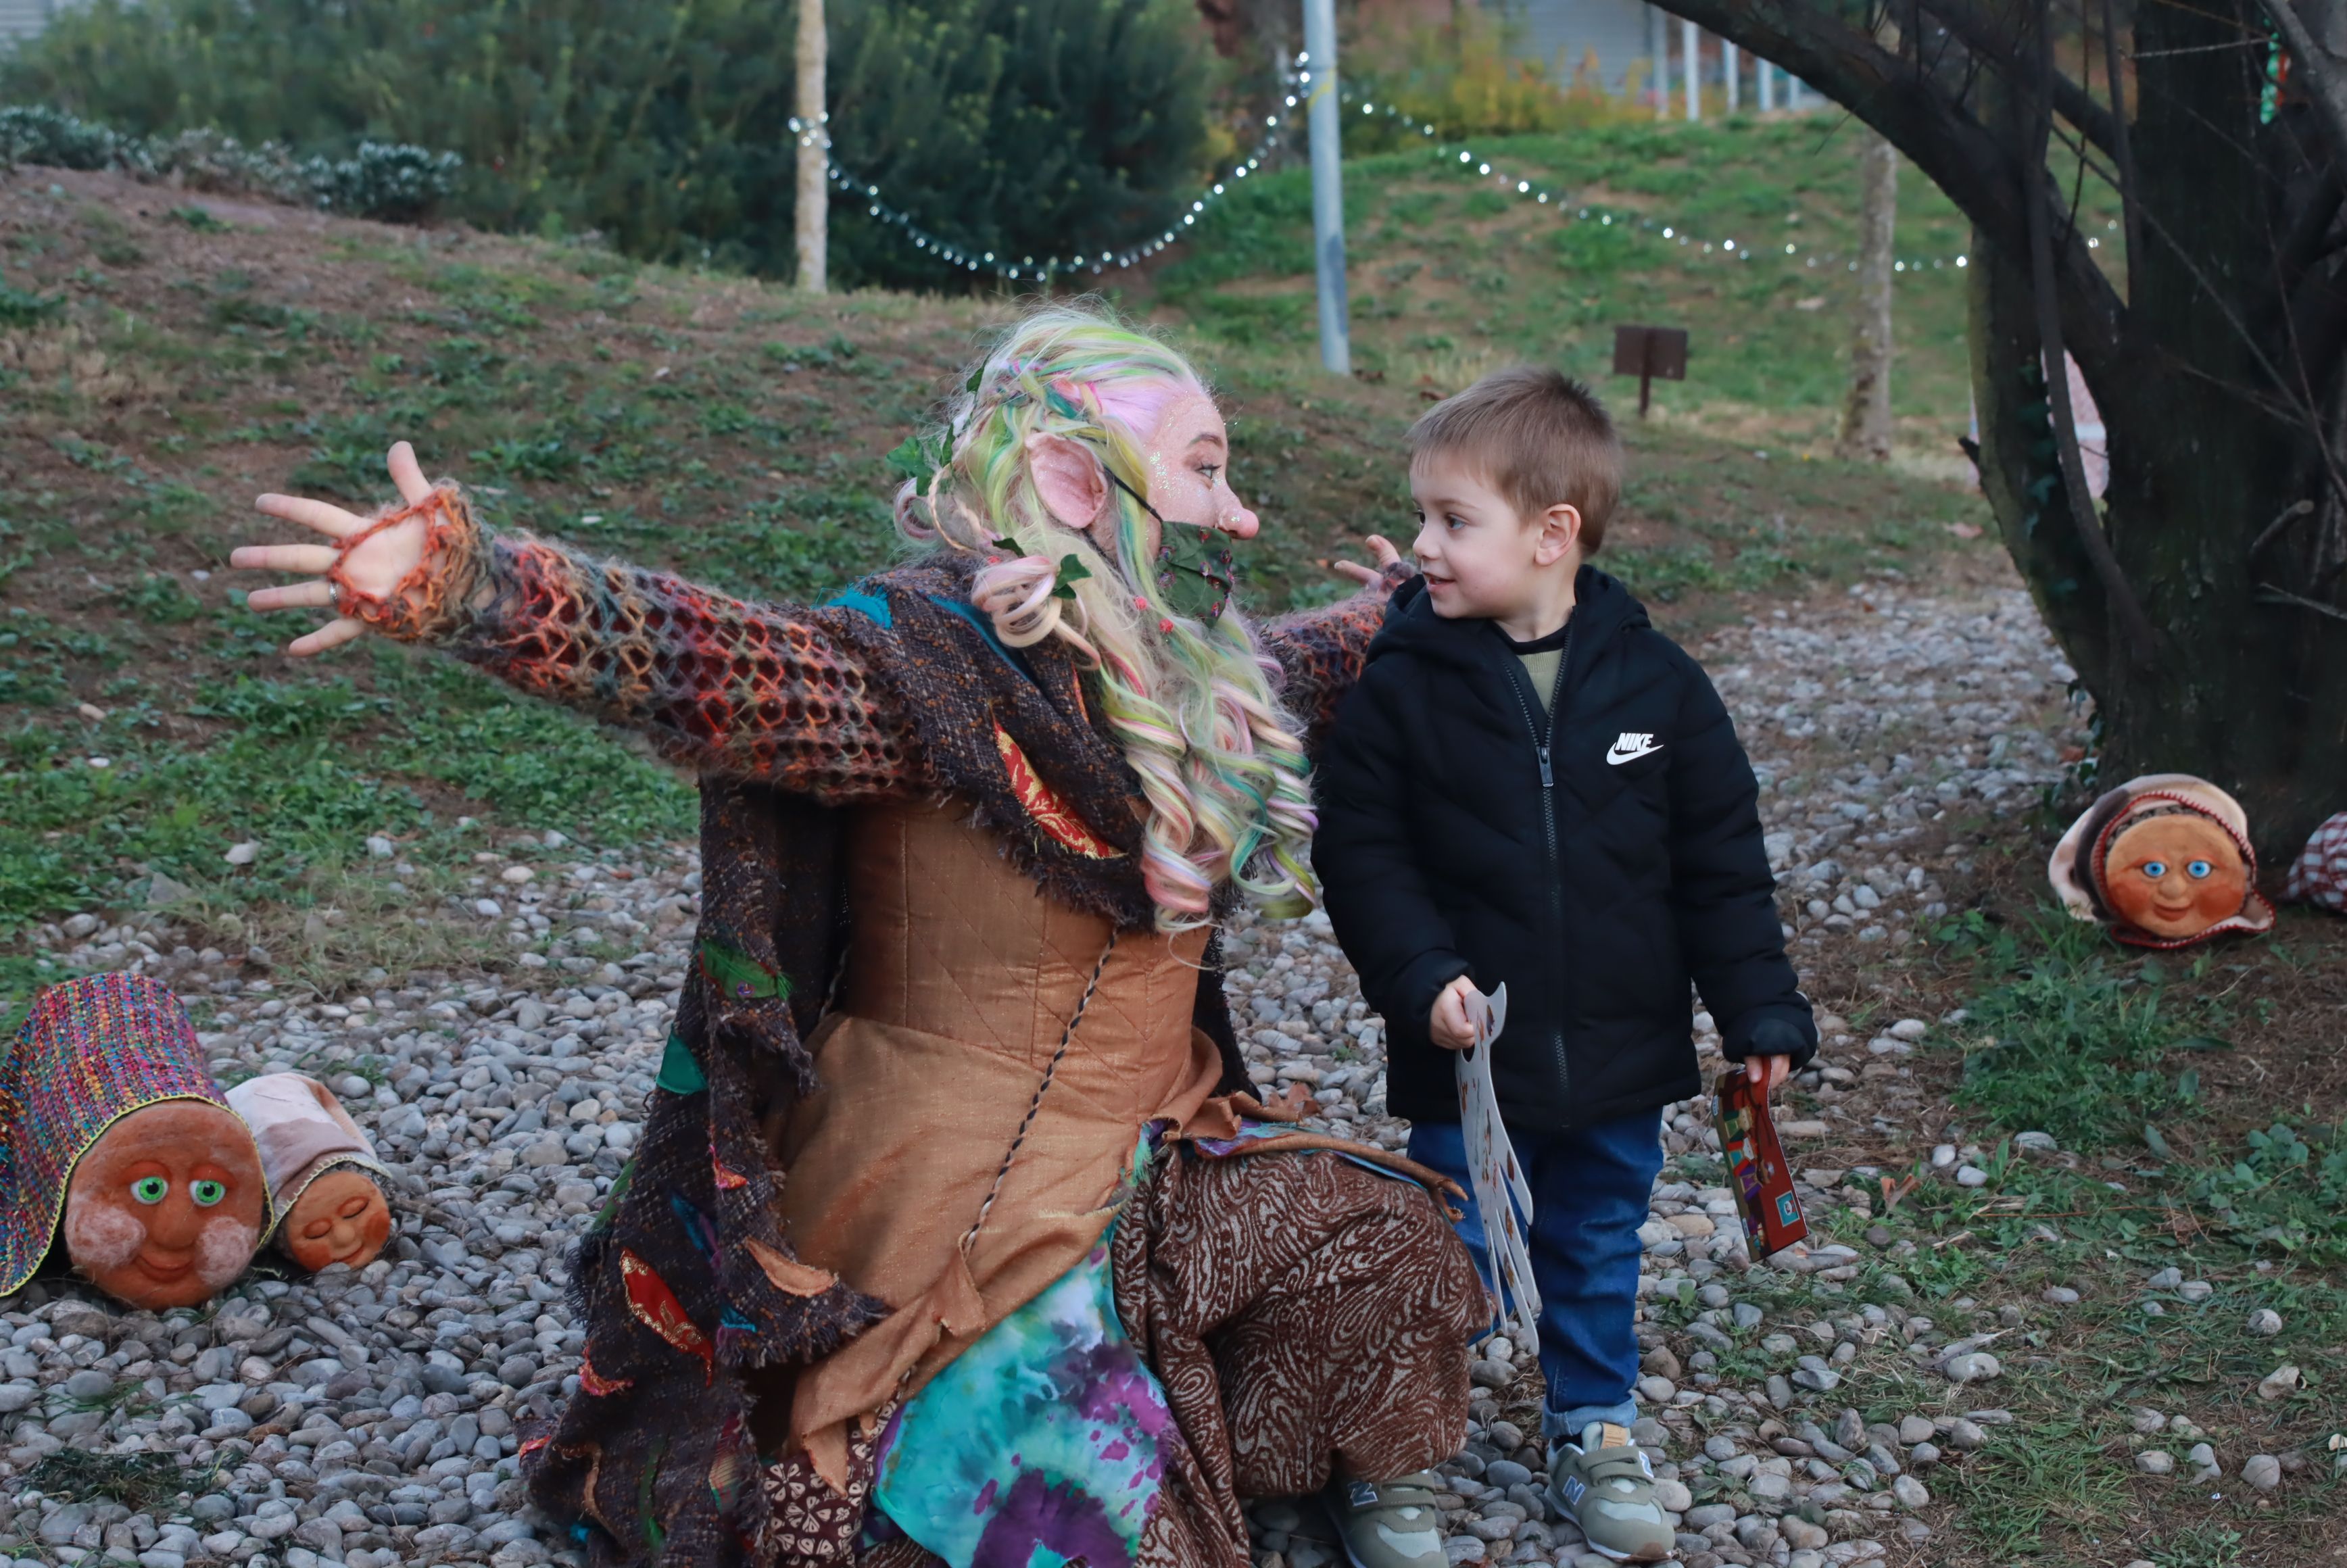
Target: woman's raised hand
pixel 375 568
pixel 1381 552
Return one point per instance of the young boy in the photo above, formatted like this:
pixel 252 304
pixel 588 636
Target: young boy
pixel 1531 785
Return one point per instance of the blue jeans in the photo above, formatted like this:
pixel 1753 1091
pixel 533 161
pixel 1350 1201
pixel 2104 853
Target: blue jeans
pixel 1590 1187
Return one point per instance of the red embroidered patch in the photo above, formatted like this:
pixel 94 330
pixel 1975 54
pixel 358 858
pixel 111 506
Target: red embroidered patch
pixel 655 1307
pixel 1051 813
pixel 595 1383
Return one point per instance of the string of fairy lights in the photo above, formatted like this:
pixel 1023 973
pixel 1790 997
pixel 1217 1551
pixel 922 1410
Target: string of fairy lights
pixel 1027 268
pixel 1460 158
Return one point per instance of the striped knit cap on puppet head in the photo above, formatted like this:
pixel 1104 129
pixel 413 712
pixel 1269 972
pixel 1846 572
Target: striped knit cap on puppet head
pixel 2164 861
pixel 113 1124
pixel 1141 599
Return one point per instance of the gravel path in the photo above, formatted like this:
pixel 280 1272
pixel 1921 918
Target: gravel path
pixel 367 1419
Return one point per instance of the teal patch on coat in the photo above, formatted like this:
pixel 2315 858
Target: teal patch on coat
pixel 678 1073
pixel 864 602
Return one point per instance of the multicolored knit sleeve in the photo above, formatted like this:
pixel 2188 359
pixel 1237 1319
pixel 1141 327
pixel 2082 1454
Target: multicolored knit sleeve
pixel 1321 651
pixel 778 694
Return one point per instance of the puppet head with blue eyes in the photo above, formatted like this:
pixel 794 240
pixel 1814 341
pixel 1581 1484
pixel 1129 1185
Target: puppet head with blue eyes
pixel 2164 861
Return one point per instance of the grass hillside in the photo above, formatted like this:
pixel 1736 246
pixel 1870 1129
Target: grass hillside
pixel 1454 272
pixel 168 357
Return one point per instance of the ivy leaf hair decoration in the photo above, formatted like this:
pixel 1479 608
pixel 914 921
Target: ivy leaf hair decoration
pixel 1072 572
pixel 919 459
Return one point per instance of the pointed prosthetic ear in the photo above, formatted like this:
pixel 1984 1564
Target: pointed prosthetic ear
pixel 1068 475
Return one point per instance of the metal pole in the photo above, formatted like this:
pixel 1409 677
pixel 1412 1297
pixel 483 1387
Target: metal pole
pixel 1729 68
pixel 1327 185
pixel 1691 68
pixel 1763 83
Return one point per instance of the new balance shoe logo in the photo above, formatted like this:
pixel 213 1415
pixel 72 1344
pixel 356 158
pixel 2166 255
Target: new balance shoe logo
pixel 1572 1487
pixel 1628 748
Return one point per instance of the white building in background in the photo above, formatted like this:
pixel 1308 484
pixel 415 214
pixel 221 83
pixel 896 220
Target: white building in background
pixel 1566 35
pixel 1615 40
pixel 23 18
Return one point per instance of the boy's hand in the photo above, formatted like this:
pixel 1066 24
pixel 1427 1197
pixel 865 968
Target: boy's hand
pixel 1451 1027
pixel 1767 1072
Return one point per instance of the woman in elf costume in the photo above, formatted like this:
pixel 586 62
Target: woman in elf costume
pixel 957 1231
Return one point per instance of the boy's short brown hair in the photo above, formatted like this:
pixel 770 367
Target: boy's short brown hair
pixel 1538 437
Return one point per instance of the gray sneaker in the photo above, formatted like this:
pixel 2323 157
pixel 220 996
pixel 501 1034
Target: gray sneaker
pixel 1389 1523
pixel 1605 1485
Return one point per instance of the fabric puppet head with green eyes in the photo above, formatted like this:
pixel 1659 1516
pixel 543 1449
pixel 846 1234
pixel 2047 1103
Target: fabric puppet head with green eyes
pixel 2164 861
pixel 112 1131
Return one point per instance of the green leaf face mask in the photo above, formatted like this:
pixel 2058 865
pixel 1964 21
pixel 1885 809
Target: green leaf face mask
pixel 1195 568
pixel 1195 564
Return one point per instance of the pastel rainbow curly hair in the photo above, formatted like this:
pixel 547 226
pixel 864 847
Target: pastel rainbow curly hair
pixel 1191 700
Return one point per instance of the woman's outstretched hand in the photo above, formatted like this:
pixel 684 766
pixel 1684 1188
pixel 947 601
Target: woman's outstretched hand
pixel 374 567
pixel 1381 552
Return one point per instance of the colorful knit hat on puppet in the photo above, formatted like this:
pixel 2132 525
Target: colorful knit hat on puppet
pixel 2076 868
pixel 2319 875
pixel 92 1052
pixel 304 1132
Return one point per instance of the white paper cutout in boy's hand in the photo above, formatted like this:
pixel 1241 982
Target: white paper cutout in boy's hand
pixel 1503 1197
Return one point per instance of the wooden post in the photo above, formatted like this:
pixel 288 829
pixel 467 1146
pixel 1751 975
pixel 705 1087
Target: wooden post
pixel 1866 417
pixel 1658 42
pixel 1763 83
pixel 1729 68
pixel 812 207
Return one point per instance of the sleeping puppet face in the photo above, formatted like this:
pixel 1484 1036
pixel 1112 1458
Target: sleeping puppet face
pixel 2173 874
pixel 166 1208
pixel 341 1217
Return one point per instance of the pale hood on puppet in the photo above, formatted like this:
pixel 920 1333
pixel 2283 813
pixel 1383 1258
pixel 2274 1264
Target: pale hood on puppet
pixel 2164 861
pixel 112 1124
pixel 324 1181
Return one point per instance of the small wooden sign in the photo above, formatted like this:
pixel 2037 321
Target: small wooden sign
pixel 1648 354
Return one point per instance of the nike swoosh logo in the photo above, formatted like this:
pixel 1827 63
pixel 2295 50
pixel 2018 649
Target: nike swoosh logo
pixel 1616 756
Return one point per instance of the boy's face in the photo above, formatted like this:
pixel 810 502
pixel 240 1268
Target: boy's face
pixel 1482 560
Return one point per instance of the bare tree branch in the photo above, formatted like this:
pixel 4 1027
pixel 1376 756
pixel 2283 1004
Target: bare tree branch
pixel 2134 626
pixel 1989 37
pixel 1982 173
pixel 2122 150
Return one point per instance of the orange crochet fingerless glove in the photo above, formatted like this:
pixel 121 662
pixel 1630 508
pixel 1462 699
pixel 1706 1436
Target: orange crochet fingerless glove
pixel 425 603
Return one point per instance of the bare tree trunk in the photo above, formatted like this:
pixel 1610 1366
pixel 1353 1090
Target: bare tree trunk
pixel 1866 418
pixel 2216 371
pixel 813 206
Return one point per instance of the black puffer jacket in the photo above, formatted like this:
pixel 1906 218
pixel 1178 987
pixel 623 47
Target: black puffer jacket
pixel 1595 865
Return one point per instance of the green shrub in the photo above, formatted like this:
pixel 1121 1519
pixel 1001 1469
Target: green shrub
pixel 395 183
pixel 1023 127
pixel 1012 126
